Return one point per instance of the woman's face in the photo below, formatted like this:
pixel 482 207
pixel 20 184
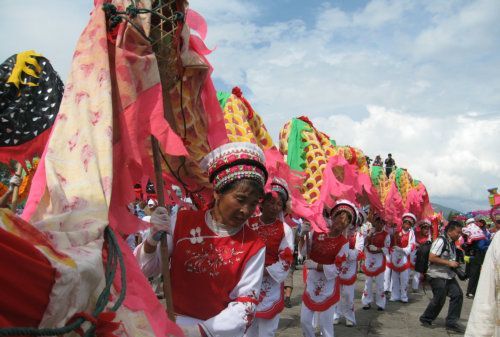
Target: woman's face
pixel 271 207
pixel 235 206
pixel 424 230
pixel 406 225
pixel 378 223
pixel 340 221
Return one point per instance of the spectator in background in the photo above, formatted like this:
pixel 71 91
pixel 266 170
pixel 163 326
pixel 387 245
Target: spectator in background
pixel 389 165
pixel 441 276
pixel 477 255
pixel 378 161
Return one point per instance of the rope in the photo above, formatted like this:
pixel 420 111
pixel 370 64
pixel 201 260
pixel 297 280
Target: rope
pixel 115 258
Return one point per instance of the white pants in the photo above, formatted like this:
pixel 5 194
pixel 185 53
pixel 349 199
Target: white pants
pixel 415 279
pixel 345 307
pixel 399 289
pixel 367 297
pixel 325 321
pixel 263 327
pixel 387 279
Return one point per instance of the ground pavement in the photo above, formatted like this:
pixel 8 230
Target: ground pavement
pixel 398 320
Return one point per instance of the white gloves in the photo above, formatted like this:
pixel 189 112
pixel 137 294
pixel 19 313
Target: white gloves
pixel 372 248
pixel 310 264
pixel 14 181
pixel 160 221
pixel 300 258
pixel 191 331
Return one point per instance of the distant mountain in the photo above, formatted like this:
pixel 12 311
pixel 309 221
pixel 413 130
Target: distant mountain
pixel 446 210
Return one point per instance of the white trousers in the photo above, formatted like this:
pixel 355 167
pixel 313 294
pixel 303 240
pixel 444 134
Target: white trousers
pixel 367 297
pixel 345 307
pixel 399 291
pixel 387 279
pixel 325 321
pixel 263 327
pixel 415 279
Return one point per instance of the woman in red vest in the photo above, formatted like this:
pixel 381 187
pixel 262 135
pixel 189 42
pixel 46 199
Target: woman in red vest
pixel 217 261
pixel 404 244
pixel 327 252
pixel 278 238
pixel 377 243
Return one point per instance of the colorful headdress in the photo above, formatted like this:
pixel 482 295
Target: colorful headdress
pixel 424 223
pixel 234 161
pixel 343 205
pixel 280 186
pixel 409 217
pixel 361 217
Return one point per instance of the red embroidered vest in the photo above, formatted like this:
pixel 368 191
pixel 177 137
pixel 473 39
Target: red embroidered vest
pixel 205 268
pixel 324 249
pixel 401 239
pixel 271 235
pixel 377 239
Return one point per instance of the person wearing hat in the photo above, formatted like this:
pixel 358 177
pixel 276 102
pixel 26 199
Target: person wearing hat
pixel 348 274
pixel 217 261
pixel 377 243
pixel 279 241
pixel 327 252
pixel 404 244
pixel 423 235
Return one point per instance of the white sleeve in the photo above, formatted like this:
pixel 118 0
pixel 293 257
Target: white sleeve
pixel 387 244
pixel 150 264
pixel 411 243
pixel 279 270
pixel 360 242
pixel 306 246
pixel 484 310
pixel 331 270
pixel 237 317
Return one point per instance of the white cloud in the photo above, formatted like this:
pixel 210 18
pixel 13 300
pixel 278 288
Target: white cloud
pixel 51 28
pixel 454 156
pixel 466 33
pixel 432 65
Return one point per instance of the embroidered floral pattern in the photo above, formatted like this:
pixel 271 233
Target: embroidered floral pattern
pixel 210 259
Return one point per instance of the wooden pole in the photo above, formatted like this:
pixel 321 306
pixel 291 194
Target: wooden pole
pixel 15 191
pixel 165 256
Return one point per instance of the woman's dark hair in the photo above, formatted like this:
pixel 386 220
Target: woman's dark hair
pixel 268 196
pixel 452 225
pixel 249 182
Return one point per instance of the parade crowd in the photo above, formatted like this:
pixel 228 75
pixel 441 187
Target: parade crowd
pixel 232 262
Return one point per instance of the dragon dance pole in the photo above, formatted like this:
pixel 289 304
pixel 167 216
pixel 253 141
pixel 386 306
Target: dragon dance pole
pixel 166 45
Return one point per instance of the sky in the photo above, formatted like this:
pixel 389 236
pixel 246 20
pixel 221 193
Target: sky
pixel 418 79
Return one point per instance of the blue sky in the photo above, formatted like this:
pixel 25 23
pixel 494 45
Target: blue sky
pixel 419 79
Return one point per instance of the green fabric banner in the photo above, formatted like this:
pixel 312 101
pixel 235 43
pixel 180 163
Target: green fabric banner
pixel 222 97
pixel 296 157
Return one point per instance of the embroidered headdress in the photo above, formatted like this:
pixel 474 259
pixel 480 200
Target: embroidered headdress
pixel 409 217
pixel 234 161
pixel 346 206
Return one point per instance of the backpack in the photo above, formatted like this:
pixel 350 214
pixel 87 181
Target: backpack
pixel 422 255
